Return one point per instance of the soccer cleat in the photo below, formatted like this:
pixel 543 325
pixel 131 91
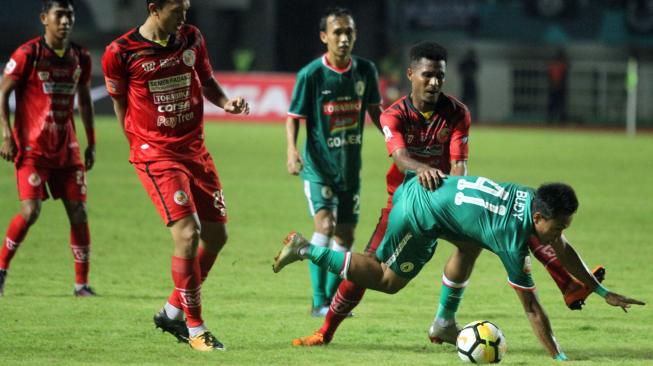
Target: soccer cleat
pixel 85 291
pixel 319 311
pixel 439 334
pixel 290 251
pixel 175 327
pixel 205 342
pixel 316 339
pixel 576 292
pixel 3 277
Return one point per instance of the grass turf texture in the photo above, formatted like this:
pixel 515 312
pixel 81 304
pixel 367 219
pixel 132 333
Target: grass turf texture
pixel 256 313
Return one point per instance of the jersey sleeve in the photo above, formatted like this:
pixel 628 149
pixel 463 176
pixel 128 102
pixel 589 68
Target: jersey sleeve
pixel 16 67
pixel 374 93
pixel 391 127
pixel 115 71
pixel 85 63
pixel 518 267
pixel 458 147
pixel 203 67
pixel 300 103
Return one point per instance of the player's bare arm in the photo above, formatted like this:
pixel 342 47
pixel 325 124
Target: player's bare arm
pixel 214 93
pixel 8 148
pixel 86 113
pixel 539 321
pixel 295 163
pixel 428 176
pixel 375 110
pixel 575 265
pixel 120 108
pixel 458 167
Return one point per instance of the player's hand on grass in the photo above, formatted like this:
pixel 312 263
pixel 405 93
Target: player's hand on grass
pixel 8 149
pixel 624 302
pixel 430 178
pixel 295 162
pixel 89 157
pixel 236 106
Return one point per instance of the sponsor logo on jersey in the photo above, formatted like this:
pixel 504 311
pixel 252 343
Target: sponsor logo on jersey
pixel 148 66
pixel 326 92
pixel 173 121
pixel 326 192
pixel 174 107
pixel 341 107
pixel 180 198
pixel 406 267
pixel 169 62
pixel 60 73
pixel 387 133
pixel 400 247
pixel 34 180
pixel 443 135
pixel 360 88
pixel 188 57
pixel 170 83
pixel 527 264
pixel 114 86
pixel 43 75
pixel 59 88
pixel 63 102
pixel 10 66
pixel 520 205
pixel 339 141
pixel 171 97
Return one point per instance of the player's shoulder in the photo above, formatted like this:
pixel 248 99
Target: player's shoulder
pixel 452 107
pixel 311 68
pixel 30 46
pixel 362 63
pixel 79 49
pixel 190 30
pixel 398 108
pixel 125 42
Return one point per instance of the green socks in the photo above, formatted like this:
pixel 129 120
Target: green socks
pixel 451 294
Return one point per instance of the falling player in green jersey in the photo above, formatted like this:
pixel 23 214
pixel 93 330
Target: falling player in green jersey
pixel 332 94
pixel 473 213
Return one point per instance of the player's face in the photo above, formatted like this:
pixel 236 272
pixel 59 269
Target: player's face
pixel 427 79
pixel 548 230
pixel 58 21
pixel 340 36
pixel 172 15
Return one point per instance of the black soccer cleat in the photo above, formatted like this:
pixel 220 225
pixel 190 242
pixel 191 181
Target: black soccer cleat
pixel 575 298
pixel 3 277
pixel 84 291
pixel 175 327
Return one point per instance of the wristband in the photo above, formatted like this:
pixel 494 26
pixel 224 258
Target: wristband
pixel 561 357
pixel 601 291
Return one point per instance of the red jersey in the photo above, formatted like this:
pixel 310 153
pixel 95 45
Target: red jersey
pixel 163 88
pixel 45 97
pixel 435 141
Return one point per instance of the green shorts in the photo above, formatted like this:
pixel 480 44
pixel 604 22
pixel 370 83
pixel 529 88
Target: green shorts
pixel 345 204
pixel 403 248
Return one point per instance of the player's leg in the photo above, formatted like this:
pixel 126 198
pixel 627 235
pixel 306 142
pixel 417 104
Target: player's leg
pixel 80 245
pixel 454 280
pixel 573 291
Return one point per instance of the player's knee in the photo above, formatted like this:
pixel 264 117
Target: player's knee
pixel 79 215
pixel 392 288
pixel 326 226
pixel 30 213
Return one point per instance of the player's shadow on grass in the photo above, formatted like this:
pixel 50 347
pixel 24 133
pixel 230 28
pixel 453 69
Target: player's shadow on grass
pixel 616 353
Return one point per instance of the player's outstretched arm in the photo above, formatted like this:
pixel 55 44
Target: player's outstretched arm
pixel 294 162
pixel 8 148
pixel 214 93
pixel 86 112
pixel 428 176
pixel 540 323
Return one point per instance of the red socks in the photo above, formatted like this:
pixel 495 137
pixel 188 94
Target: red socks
pixel 187 279
pixel 547 256
pixel 15 234
pixel 345 300
pixel 80 244
pixel 206 260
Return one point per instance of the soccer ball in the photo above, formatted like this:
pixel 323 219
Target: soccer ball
pixel 481 342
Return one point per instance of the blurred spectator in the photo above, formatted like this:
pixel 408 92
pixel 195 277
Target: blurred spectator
pixel 467 68
pixel 557 71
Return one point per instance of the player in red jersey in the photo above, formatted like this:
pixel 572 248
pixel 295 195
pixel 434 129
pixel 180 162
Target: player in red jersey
pixel 157 75
pixel 427 132
pixel 46 73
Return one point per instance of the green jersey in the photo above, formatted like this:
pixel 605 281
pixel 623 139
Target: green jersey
pixel 333 102
pixel 475 210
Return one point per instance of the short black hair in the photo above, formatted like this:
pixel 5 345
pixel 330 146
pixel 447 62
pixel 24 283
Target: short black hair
pixel 428 50
pixel 336 12
pixel 159 3
pixel 554 200
pixel 48 4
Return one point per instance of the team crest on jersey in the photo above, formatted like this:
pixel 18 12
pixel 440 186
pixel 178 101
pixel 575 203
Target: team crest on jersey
pixel 11 65
pixel 148 66
pixel 360 88
pixel 188 57
pixel 527 264
pixel 406 267
pixel 43 75
pixel 34 180
pixel 443 135
pixel 181 198
pixel 327 193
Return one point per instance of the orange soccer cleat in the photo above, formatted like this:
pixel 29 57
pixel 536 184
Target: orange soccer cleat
pixel 576 292
pixel 316 339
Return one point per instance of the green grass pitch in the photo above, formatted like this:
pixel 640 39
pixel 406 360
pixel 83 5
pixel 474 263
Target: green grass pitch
pixel 256 313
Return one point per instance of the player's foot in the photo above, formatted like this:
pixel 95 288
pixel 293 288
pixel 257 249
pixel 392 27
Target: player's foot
pixel 84 291
pixel 316 339
pixel 3 277
pixel 205 342
pixel 439 334
pixel 576 292
pixel 290 251
pixel 319 311
pixel 175 327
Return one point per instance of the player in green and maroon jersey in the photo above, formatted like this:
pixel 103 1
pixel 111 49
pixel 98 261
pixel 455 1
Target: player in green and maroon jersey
pixel 332 94
pixel 473 213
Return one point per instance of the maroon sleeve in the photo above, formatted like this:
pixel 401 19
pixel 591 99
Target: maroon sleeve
pixel 458 148
pixel 115 75
pixel 391 126
pixel 203 66
pixel 18 63
pixel 85 64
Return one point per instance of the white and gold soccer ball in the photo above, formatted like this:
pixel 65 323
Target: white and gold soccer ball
pixel 481 342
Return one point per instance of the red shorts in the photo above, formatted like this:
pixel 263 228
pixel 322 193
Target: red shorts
pixel 65 183
pixel 182 188
pixel 379 231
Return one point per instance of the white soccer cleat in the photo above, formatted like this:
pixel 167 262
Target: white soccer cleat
pixel 290 251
